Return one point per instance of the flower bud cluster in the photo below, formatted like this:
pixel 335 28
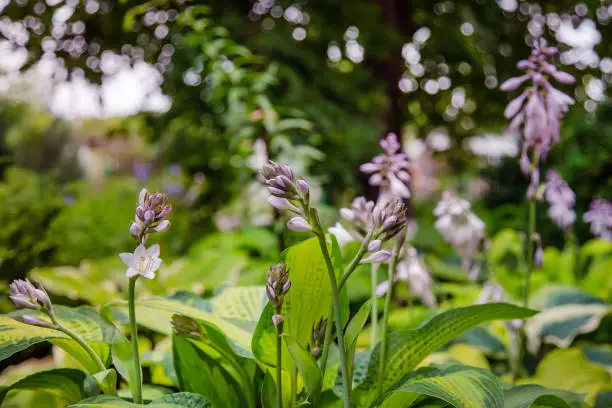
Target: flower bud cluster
pixel 287 193
pixel 150 213
pixel 277 286
pixel 27 296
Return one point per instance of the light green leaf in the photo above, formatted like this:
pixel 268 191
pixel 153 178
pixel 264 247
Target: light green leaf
pixel 309 298
pixel 66 384
pixel 178 400
pixel 408 348
pixel 122 359
pixel 202 369
pixel 459 386
pixel 184 400
pixel 306 365
pixel 526 396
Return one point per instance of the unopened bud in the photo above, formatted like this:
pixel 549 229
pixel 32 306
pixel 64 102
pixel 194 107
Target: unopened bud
pixel 298 224
pixel 278 322
pixel 374 245
pixel 377 257
pixel 302 187
pixel 283 204
pixel 539 257
pixel 35 321
pixel 135 229
pixel 162 226
pixel 316 352
pixel 43 298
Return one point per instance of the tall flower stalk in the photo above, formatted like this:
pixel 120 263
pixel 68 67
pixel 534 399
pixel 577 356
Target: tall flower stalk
pixel 380 223
pixel 537 112
pixel 150 214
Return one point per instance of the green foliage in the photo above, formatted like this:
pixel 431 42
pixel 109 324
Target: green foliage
pixel 178 400
pixel 66 384
pixel 526 396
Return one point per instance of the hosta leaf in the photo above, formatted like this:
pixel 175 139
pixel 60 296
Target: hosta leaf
pixel 66 384
pixel 122 359
pixel 599 354
pixel 459 386
pixel 309 299
pixel 178 400
pixel 550 296
pixel 85 321
pixel 202 369
pixel 306 365
pixel 235 312
pixel 560 325
pixel 458 354
pixel 569 369
pixel 526 396
pixel 408 348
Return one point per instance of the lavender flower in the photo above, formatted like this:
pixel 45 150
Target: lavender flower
pixel 278 284
pixel 359 213
pixel 150 214
pixel 458 225
pixel 413 271
pixel 538 109
pixel 281 183
pixel 27 296
pixel 600 218
pixel 389 171
pixel 561 199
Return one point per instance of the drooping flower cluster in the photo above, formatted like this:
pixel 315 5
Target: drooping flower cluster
pixel 277 287
pixel 412 270
pixel 150 214
pixel 389 171
pixel 539 109
pixel 459 225
pixel 27 296
pixel 561 199
pixel 600 218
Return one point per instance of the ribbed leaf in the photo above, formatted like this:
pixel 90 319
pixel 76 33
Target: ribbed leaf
pixel 526 396
pixel 306 365
pixel 202 369
pixel 408 348
pixel 66 384
pixel 16 336
pixel 178 400
pixel 459 386
pixel 235 311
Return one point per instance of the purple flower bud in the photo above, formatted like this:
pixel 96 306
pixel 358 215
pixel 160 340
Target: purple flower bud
pixel 377 257
pixel 564 77
pixel 24 302
pixel 299 224
pixel 374 245
pixel 135 229
pixel 515 105
pixel 143 196
pixel 347 214
pixel 369 167
pixel 277 192
pixel 302 187
pixel 283 204
pixel 278 322
pixel 140 211
pixel 538 258
pixel 149 216
pixel 35 321
pixel 513 83
pixel 43 298
pixel 286 287
pixel 162 226
pixel 526 64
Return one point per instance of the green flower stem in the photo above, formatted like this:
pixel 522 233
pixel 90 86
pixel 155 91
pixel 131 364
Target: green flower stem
pixel 134 337
pixel 374 311
pixel 94 356
pixel 318 230
pixel 355 262
pixel 387 309
pixel 530 261
pixel 279 368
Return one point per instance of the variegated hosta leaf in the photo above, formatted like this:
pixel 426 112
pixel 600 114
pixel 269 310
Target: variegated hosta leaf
pixel 526 396
pixel 85 321
pixel 568 369
pixel 557 295
pixel 178 400
pixel 235 312
pixel 408 348
pixel 560 325
pixel 599 354
pixel 458 386
pixel 66 384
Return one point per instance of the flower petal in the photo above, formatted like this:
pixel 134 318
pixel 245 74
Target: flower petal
pixel 128 259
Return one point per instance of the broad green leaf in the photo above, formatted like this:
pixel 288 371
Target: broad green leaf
pixel 569 369
pixel 121 351
pixel 306 365
pixel 263 345
pixel 309 298
pixel 66 384
pixel 526 396
pixel 235 312
pixel 458 354
pixel 352 332
pixel 458 386
pixel 178 400
pixel 486 341
pixel 550 296
pixel 560 325
pixel 408 348
pixel 599 354
pixel 202 369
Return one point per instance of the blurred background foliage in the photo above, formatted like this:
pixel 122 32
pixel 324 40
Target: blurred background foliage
pixel 314 84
